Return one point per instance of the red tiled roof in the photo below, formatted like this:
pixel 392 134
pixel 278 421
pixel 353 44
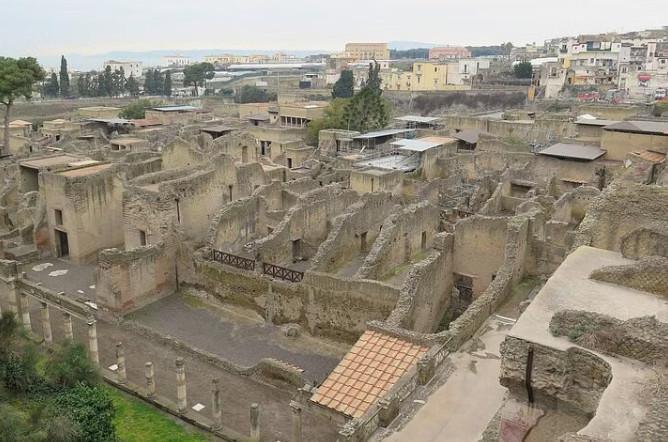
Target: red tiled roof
pixel 369 370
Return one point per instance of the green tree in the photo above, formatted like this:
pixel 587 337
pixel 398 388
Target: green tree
pixel 368 110
pixel 132 86
pixel 64 78
pixel 17 78
pixel 91 409
pixel 254 94
pixel 333 118
pixel 196 75
pixel 51 86
pixel 167 88
pixel 137 109
pixel 158 82
pixel 523 69
pixel 69 365
pixel 107 85
pixel 345 85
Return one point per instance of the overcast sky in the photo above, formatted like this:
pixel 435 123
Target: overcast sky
pixel 39 27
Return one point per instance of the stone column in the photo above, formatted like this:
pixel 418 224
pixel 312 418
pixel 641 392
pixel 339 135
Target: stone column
pixel 296 421
pixel 216 411
pixel 25 311
pixel 255 421
pixel 181 397
pixel 12 298
pixel 67 326
pixel 120 361
pixel 92 342
pixel 46 323
pixel 150 381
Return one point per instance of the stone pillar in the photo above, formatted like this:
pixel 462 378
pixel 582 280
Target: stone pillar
pixel 120 361
pixel 255 421
pixel 181 397
pixel 25 311
pixel 296 421
pixel 216 411
pixel 150 381
pixel 92 342
pixel 67 326
pixel 12 298
pixel 46 323
pixel 426 368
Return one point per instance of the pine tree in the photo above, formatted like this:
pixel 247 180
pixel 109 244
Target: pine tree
pixel 132 86
pixel 51 88
pixel 368 110
pixel 64 78
pixel 344 86
pixel 167 90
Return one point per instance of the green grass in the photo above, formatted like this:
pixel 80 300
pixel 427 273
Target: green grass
pixel 136 421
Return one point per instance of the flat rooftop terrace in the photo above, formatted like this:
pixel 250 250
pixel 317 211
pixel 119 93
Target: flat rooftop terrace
pixel 570 288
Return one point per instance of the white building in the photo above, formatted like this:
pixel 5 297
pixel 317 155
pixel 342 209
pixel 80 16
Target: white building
pixel 133 68
pixel 176 60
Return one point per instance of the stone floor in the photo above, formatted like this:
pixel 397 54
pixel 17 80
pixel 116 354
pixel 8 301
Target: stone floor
pixel 238 335
pixel 238 392
pixel 60 275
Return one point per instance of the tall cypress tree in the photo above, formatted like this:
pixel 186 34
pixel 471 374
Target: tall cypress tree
pixel 64 77
pixel 167 91
pixel 368 110
pixel 51 88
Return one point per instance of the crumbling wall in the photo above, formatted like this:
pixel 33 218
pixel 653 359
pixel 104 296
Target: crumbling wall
pixel 405 234
pixel 620 210
pixel 479 248
pixel 574 376
pixel 648 274
pixel 426 294
pixel 238 223
pixel 326 305
pixel 180 153
pixel 128 280
pixel 308 222
pixel 353 232
pixel 642 242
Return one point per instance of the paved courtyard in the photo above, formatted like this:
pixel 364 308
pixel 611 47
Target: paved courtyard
pixel 237 335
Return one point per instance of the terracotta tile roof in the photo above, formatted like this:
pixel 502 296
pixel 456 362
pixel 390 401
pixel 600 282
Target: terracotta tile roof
pixel 650 155
pixel 367 372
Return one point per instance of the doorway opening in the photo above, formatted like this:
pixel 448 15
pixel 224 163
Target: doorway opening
pixel 62 244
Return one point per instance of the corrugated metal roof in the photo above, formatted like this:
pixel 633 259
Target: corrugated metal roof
pixel 259 117
pixel 382 133
pixel 647 127
pixel 417 119
pixel 110 120
pixel 574 151
pixel 415 145
pixel 176 108
pixel 470 136
pixel 595 122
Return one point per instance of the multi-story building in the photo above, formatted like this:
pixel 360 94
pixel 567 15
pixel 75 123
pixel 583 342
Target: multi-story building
pixel 133 68
pixel 448 53
pixel 367 51
pixel 593 60
pixel 176 60
pixel 423 77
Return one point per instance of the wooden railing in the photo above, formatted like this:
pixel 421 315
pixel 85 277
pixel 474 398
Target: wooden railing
pixel 233 260
pixel 282 273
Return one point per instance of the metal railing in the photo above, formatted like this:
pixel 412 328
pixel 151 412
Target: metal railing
pixel 233 260
pixel 282 273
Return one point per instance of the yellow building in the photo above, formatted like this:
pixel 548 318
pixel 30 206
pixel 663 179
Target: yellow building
pixel 423 77
pixel 367 51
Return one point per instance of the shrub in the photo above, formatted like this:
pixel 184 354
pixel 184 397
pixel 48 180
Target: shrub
pixel 69 365
pixel 91 409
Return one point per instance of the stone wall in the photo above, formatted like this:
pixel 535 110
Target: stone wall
pixel 648 274
pixel 401 240
pixel 354 232
pixel 479 247
pixel 130 279
pixel 324 304
pixel 620 210
pixel 575 376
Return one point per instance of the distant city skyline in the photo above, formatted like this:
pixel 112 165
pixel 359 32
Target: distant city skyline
pixel 49 29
